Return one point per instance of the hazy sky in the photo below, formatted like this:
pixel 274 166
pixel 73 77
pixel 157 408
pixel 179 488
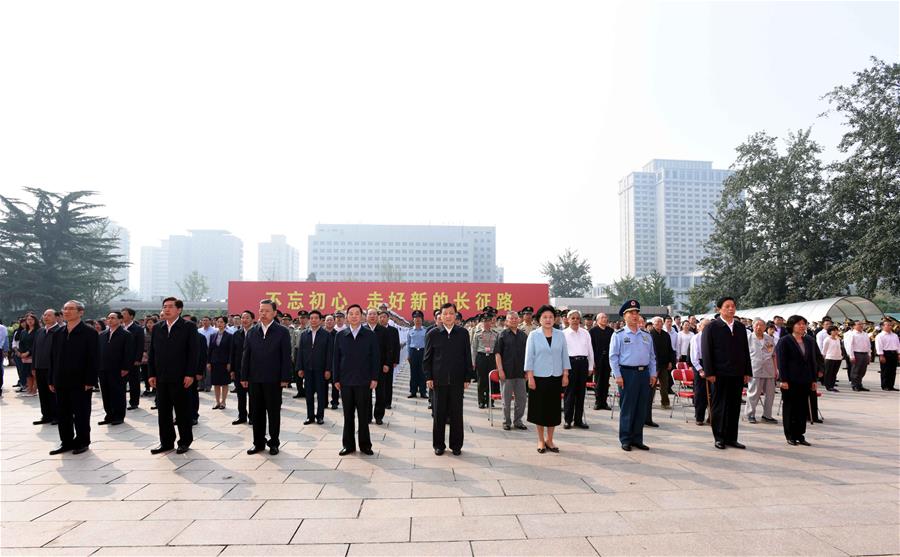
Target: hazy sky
pixel 266 118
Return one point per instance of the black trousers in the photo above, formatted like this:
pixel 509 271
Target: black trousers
pixel 601 387
pixel 484 363
pixel 889 369
pixel 831 370
pixel 134 386
pixel 795 410
pixel 112 391
pixel 145 375
pixel 241 393
pixel 74 416
pixel 46 396
pixel 265 403
pixel 173 396
pixel 357 401
pixel 448 408
pixel 384 393
pixel 574 399
pixel 726 407
pixel 416 372
pixel 194 391
pixel 316 390
pixel 701 399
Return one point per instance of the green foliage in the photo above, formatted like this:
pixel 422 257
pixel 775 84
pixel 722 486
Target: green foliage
pixel 194 287
pixel 569 277
pixel 649 290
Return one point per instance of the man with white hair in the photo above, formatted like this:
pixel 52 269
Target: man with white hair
pixel 701 397
pixel 581 358
pixel 765 371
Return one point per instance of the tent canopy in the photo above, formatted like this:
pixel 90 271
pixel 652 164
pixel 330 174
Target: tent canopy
pixel 844 308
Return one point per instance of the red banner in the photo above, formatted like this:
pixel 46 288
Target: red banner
pixel 402 297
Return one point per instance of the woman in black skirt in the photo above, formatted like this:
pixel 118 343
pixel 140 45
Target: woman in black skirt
pixel 796 356
pixel 547 371
pixel 218 366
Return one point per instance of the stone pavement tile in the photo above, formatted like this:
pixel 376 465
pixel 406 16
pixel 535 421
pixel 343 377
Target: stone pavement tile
pixel 558 546
pixel 681 520
pixel 20 476
pixel 123 533
pixel 374 508
pixel 162 477
pixel 713 480
pixel 491 473
pixel 245 477
pixel 274 491
pixel 414 475
pixel 812 516
pixel 356 463
pixel 461 528
pixel 24 511
pixel 576 524
pixel 88 492
pixel 241 464
pixel 525 504
pixel 861 540
pixel 103 510
pixel 319 508
pixel 56 551
pixel 149 463
pixel 13 464
pixel 545 486
pixel 862 493
pixel 329 476
pixel 372 490
pixel 593 502
pixel 163 551
pixel 450 461
pixel 490 488
pixel 290 464
pixel 859 476
pixel 36 534
pixel 697 498
pixel 237 532
pixel 205 510
pixel 21 492
pixel 452 549
pixel 352 530
pixel 631 482
pixel 785 495
pixel 77 477
pixel 180 492
pixel 312 550
pixel 774 542
pixel 50 465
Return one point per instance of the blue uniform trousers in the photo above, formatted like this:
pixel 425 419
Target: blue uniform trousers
pixel 634 401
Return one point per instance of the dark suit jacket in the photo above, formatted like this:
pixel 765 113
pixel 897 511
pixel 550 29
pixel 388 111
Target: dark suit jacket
pixel 662 346
pixel 137 334
pixel 42 345
pixel 316 357
pixel 220 354
pixel 384 344
pixel 725 352
pixel 116 351
pixel 600 341
pixel 448 357
pixel 793 365
pixel 357 361
pixel 173 356
pixel 393 338
pixel 237 352
pixel 74 359
pixel 267 360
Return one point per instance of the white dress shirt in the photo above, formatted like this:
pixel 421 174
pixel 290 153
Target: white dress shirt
pixel 886 341
pixel 820 339
pixel 831 348
pixel 579 344
pixel 856 342
pixel 695 352
pixel 265 328
pixel 684 343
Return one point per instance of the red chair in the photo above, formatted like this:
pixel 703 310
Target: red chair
pixel 685 366
pixel 684 391
pixel 493 377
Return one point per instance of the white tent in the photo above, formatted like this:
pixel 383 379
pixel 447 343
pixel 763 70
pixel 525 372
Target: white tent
pixel 844 308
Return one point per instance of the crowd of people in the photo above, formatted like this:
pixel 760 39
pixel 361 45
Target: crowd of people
pixel 539 365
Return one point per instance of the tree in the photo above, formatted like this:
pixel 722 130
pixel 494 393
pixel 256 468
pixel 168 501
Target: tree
pixel 53 251
pixel 569 277
pixel 650 290
pixel 623 289
pixel 390 272
pixel 698 301
pixel 864 192
pixel 311 277
pixel 194 287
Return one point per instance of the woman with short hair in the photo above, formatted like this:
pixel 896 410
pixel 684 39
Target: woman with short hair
pixel 547 370
pixel 796 354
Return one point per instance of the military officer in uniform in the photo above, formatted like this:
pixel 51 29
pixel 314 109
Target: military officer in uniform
pixel 527 325
pixel 633 364
pixel 484 339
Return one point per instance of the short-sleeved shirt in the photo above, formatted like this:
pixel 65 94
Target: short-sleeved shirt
pixel 511 347
pixel 761 352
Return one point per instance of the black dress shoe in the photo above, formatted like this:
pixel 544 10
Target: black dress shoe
pixel 553 449
pixel 791 442
pixel 54 422
pixel 640 446
pixel 60 449
pixel 411 396
pixel 345 451
pixel 626 447
pixel 117 422
pixel 273 451
pixel 720 445
pixel 389 407
pixel 153 408
pixel 369 451
pixel 506 427
pixel 737 445
pixel 651 424
pixel 803 442
pixel 255 449
pixel 378 422
pixel 582 426
pixel 700 422
pixel 239 421
pixel 439 452
pixel 818 421
pixel 195 421
pixel 456 452
pixel 182 449
pixel 320 422
pixel 309 421
pixel 605 407
pixel 523 427
pixel 133 407
pixel 567 426
pixel 79 450
pixel 299 396
pixel 160 449
pixel 103 422
pixel 334 406
pixel 863 389
pixel 40 422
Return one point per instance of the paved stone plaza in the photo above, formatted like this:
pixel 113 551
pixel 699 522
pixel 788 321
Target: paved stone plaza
pixel 500 497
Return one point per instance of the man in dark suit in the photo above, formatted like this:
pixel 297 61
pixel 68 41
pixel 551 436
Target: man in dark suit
pixel 116 360
pixel 73 374
pixel 448 371
pixel 202 342
pixel 237 354
pixel 314 366
pixel 726 363
pixel 265 371
pixel 384 351
pixel 601 335
pixel 134 371
pixel 41 361
pixel 356 368
pixel 665 361
pixel 172 364
pixel 385 390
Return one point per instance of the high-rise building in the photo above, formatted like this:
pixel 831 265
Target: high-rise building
pixel 666 218
pixel 123 252
pixel 366 252
pixel 215 255
pixel 278 260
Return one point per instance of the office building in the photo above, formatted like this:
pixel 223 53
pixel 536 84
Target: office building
pixel 278 260
pixel 215 254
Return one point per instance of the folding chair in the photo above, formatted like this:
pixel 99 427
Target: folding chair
pixel 614 396
pixel 684 389
pixel 493 377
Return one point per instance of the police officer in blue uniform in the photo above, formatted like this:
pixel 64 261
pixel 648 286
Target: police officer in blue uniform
pixel 633 364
